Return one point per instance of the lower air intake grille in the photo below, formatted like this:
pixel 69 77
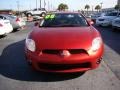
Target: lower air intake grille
pixel 63 66
pixel 71 51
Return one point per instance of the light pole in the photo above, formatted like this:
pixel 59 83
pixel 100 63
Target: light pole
pixel 44 3
pixel 30 4
pixel 101 6
pixel 48 5
pixel 40 4
pixel 18 6
pixel 36 4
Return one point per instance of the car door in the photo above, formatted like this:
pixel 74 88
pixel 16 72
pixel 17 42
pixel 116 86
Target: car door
pixel 6 23
pixel 12 20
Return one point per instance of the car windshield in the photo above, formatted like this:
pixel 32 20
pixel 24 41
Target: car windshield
pixel 11 16
pixel 111 14
pixel 64 20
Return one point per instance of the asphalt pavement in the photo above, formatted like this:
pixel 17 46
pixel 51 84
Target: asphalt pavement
pixel 15 74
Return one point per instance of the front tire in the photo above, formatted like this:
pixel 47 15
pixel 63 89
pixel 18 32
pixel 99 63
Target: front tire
pixel 43 14
pixel 29 14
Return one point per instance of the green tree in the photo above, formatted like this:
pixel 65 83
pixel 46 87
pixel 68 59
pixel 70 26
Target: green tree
pixel 87 7
pixel 117 7
pixel 62 7
pixel 98 7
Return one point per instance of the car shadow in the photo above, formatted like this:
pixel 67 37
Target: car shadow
pixel 13 65
pixel 2 36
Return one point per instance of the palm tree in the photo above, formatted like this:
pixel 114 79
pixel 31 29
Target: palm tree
pixel 117 7
pixel 62 7
pixel 87 7
pixel 98 7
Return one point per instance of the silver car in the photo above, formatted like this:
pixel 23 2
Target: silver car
pixel 16 22
pixel 107 19
pixel 116 23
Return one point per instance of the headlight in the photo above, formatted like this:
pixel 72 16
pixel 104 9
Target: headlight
pixel 30 44
pixel 96 44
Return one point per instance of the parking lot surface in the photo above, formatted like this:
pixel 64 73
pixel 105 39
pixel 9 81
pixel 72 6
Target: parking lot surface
pixel 15 74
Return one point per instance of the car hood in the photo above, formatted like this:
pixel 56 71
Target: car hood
pixel 63 38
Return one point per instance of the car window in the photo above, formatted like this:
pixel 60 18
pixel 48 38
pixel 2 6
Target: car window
pixel 11 16
pixel 1 17
pixel 112 14
pixel 35 10
pixel 119 14
pixel 64 20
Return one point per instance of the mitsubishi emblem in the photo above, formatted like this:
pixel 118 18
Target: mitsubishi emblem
pixel 65 53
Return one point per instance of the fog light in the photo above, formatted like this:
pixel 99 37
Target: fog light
pixel 99 61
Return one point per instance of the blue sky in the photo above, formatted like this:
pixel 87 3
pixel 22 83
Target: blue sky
pixel 73 4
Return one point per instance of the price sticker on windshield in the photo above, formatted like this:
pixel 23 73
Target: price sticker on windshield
pixel 52 16
pixel 47 16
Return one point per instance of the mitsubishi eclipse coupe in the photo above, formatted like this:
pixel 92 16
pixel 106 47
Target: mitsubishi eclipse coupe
pixel 64 42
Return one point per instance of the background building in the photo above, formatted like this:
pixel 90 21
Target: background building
pixel 118 2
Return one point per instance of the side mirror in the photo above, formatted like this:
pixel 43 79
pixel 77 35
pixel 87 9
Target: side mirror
pixel 90 22
pixel 36 24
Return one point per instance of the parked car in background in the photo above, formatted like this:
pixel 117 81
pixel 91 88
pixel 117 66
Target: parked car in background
pixel 5 26
pixel 64 42
pixel 107 19
pixel 35 18
pixel 96 15
pixel 40 12
pixel 116 24
pixel 16 22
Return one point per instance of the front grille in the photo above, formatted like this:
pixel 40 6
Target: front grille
pixel 71 51
pixel 51 51
pixel 101 19
pixel 118 22
pixel 63 66
pixel 77 51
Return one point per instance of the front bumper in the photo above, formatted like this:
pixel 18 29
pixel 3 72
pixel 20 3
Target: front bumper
pixel 9 29
pixel 59 64
pixel 103 23
pixel 2 32
pixel 116 26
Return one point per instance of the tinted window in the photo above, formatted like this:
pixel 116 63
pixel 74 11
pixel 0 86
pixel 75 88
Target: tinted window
pixel 42 9
pixel 11 16
pixel 64 20
pixel 35 10
pixel 1 17
pixel 111 14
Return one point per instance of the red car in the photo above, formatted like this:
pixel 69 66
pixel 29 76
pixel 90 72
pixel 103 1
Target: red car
pixel 64 42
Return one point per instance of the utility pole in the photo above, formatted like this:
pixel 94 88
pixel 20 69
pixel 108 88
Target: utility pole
pixel 30 4
pixel 44 3
pixel 18 6
pixel 36 4
pixel 101 6
pixel 48 5
pixel 40 4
